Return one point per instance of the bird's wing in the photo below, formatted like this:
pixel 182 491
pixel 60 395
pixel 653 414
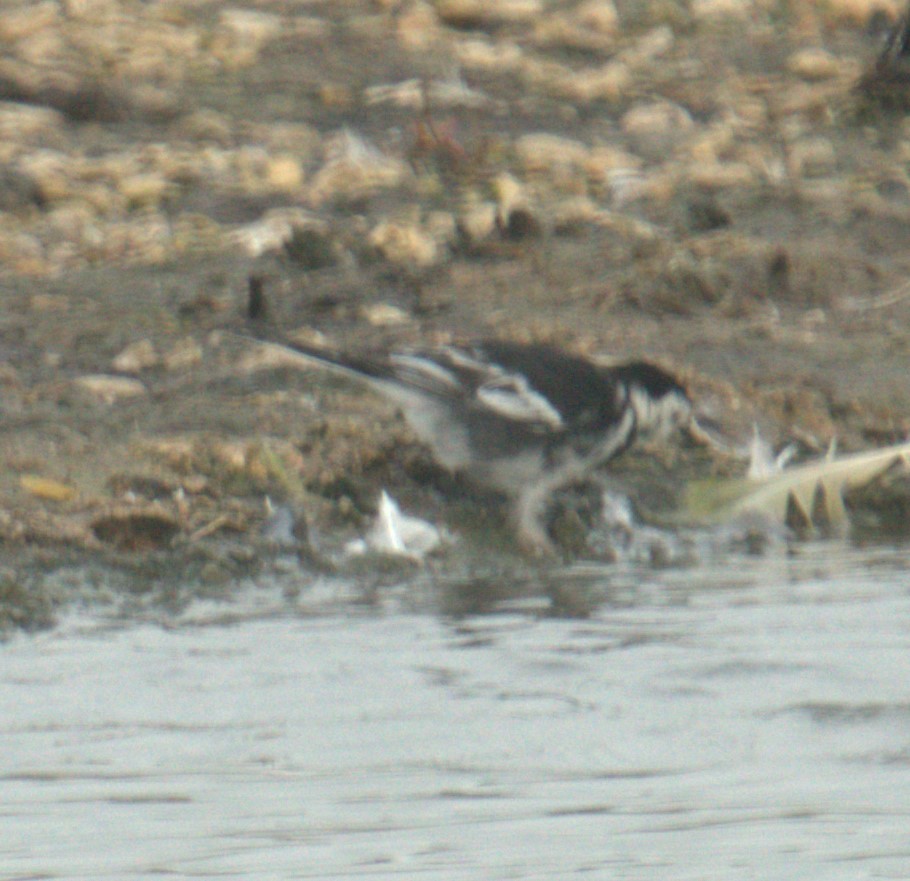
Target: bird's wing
pixel 449 374
pixel 483 384
pixel 425 373
pixel 511 397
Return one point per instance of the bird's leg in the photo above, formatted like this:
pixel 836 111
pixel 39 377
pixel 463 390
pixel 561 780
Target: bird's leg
pixel 528 517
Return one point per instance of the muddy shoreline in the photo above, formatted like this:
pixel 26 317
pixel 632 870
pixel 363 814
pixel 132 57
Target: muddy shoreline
pixel 417 172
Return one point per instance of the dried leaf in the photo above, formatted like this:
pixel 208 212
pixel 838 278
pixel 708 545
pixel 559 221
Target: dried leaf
pixel 46 488
pixel 817 488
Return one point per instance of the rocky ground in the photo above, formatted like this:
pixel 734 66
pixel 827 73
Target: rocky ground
pixel 709 184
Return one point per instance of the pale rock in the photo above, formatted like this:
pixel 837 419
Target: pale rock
pixel 511 195
pixel 606 83
pixel 750 114
pixel 598 15
pixel 604 161
pixel 154 100
pixel 336 95
pixel 22 252
pixel 284 173
pixel 404 243
pixel 541 73
pixel 484 54
pixel 110 166
pixel 183 354
pixel 74 222
pixel 158 52
pixel 250 163
pixel 418 27
pixel 104 199
pixel 574 212
pixel 26 19
pixel 252 25
pixel 47 488
pixel 630 228
pixel 625 184
pixel 477 221
pixel 309 336
pixel 93 10
pixel 146 238
pixel 660 187
pixel 147 190
pixel 109 389
pixel 707 9
pixel 37 48
pixel 813 64
pixel 136 357
pixel 649 47
pixel 241 35
pixel 488 12
pixel 544 152
pixel 655 130
pixel 24 122
pixel 384 315
pixel 564 30
pixel 714 143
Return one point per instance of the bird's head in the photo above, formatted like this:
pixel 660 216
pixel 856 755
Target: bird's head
pixel 661 405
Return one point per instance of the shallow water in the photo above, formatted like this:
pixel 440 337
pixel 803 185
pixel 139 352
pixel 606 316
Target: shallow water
pixel 745 719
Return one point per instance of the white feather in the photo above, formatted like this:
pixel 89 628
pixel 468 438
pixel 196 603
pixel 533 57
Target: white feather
pixel 424 373
pixel 511 397
pixel 396 533
pixel 763 463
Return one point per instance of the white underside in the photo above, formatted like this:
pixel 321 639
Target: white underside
pixel 432 422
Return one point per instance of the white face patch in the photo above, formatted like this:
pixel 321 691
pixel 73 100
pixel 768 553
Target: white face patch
pixel 659 417
pixel 511 397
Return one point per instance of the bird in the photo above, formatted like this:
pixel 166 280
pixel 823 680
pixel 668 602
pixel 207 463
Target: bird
pixel 523 419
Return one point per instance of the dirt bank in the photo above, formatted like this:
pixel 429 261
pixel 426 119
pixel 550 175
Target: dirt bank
pixel 695 184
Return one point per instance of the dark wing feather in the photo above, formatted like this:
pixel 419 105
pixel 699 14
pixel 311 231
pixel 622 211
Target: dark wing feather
pixel 585 396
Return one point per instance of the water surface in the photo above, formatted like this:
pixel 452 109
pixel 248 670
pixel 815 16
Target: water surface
pixel 748 719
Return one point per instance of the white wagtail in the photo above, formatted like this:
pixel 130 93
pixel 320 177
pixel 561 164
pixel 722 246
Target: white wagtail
pixel 523 419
